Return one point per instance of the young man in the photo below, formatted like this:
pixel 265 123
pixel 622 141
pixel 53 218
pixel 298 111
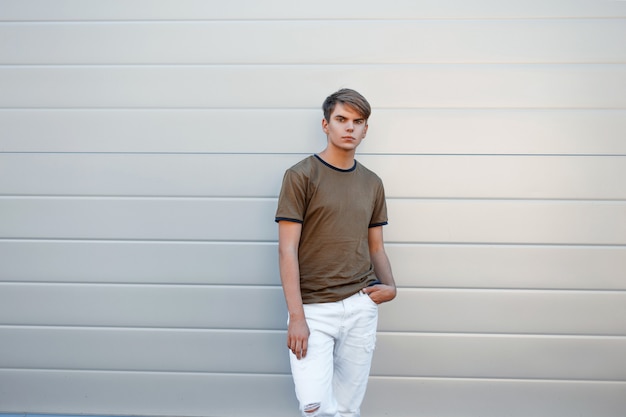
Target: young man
pixel 333 265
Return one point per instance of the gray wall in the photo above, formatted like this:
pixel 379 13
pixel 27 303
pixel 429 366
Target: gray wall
pixel 142 144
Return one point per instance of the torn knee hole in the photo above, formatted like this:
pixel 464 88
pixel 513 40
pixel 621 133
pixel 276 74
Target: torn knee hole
pixel 311 408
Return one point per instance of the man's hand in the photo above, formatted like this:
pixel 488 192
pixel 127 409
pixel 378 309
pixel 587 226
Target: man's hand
pixel 298 337
pixel 381 293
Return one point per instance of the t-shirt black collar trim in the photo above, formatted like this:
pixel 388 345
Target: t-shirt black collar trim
pixel 334 167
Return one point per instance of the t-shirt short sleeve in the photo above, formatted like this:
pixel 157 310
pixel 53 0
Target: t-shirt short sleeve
pixel 379 215
pixel 292 198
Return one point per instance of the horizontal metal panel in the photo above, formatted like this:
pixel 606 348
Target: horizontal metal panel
pixel 405 176
pixel 410 355
pixel 506 311
pixel 414 221
pixel 151 394
pixel 242 263
pixel 215 307
pixel 395 131
pixel 284 9
pixel 509 266
pixel 279 86
pixel 490 356
pixel 380 42
pixel 465 311
pixel 408 397
pixel 558 177
pixel 145 350
pixel 197 394
pixel 215 263
pixel 131 218
pixel 501 221
pixel 199 175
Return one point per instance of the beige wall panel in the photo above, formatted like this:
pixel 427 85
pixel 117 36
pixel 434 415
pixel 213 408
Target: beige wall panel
pixel 161 350
pixel 509 266
pixel 265 42
pixel 172 130
pixel 500 356
pixel 191 306
pixel 395 131
pixel 506 311
pixel 283 9
pixel 147 393
pixel 405 176
pixel 432 397
pixel 240 219
pixel 256 263
pixel 525 177
pixel 198 394
pixel 415 86
pixel 508 222
pixel 225 263
pixel 198 175
pixel 402 355
pixel 233 219
pixel 496 131
pixel 463 311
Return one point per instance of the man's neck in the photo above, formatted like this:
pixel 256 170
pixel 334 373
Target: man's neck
pixel 341 160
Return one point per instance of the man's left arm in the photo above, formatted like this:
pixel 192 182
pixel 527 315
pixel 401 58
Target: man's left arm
pixel 386 291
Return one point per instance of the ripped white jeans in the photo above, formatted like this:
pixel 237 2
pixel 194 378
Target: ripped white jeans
pixel 331 380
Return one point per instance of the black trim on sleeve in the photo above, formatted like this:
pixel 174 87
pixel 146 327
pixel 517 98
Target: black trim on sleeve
pixel 378 224
pixel 277 219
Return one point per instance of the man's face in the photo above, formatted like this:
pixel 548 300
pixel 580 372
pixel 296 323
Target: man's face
pixel 345 129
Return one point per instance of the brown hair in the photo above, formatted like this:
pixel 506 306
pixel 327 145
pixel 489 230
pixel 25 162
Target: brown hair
pixel 347 97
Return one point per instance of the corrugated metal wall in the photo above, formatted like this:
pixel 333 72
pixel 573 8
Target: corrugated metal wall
pixel 142 144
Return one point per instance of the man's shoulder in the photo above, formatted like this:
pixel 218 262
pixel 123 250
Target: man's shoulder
pixel 304 166
pixel 368 173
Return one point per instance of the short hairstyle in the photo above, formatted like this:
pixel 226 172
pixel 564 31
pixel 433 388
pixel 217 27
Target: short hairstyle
pixel 347 97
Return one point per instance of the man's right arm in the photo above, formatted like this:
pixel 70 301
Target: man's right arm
pixel 288 242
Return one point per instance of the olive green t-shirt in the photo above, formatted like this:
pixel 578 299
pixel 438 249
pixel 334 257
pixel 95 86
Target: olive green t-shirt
pixel 336 208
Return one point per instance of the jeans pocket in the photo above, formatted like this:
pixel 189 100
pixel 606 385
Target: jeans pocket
pixel 369 299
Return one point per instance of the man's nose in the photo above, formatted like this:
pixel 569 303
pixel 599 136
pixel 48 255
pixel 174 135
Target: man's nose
pixel 350 126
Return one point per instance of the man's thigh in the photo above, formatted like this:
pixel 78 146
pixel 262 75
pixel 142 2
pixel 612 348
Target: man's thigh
pixel 313 374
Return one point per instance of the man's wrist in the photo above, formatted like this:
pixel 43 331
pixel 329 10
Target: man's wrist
pixel 299 315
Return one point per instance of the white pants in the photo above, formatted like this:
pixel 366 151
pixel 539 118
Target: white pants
pixel 331 380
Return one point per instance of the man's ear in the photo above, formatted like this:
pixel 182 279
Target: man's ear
pixel 325 125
